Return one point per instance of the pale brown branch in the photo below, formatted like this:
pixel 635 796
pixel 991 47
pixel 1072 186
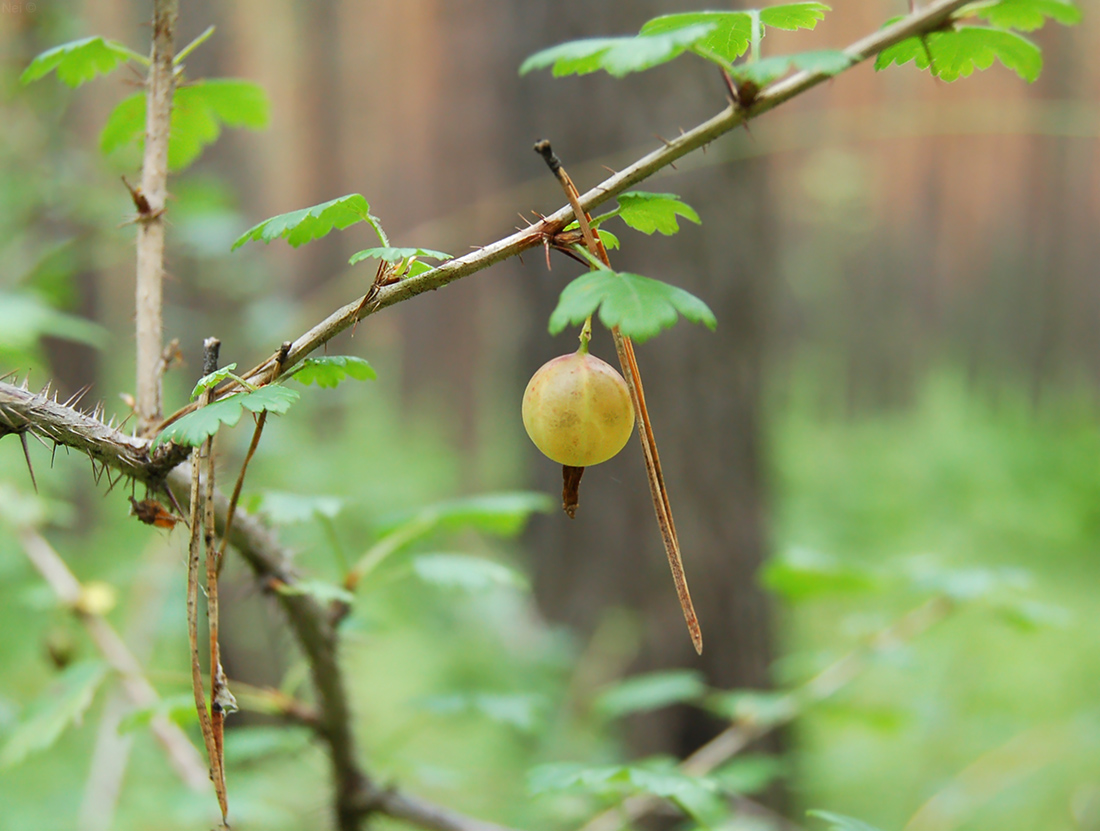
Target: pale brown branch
pixel 159 85
pixel 181 753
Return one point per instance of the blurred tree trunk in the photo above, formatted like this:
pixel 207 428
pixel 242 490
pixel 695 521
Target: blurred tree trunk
pixel 704 390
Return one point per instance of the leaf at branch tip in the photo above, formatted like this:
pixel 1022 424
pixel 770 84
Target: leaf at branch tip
pixel 273 398
pixel 393 255
pixel 79 61
pixel 467 573
pixel 197 426
pixel 823 61
pixel 957 54
pixel 651 691
pixel 308 224
pixel 54 711
pixel 617 56
pixel 199 110
pixel 649 212
pixel 641 307
pixel 330 370
pixel 840 822
pixel 1025 15
pixel 212 380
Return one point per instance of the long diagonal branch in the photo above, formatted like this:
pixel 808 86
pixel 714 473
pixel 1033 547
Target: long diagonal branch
pixel 925 20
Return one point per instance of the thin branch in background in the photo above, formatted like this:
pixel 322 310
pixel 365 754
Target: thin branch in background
pixel 111 756
pixel 181 753
pixel 624 347
pixel 159 86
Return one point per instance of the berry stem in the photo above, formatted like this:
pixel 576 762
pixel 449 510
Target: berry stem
pixel 586 335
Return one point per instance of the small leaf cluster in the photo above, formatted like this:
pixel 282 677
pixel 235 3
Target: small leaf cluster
pixel 195 427
pixel 199 111
pixel 199 108
pixel 199 425
pixel 640 306
pixel 958 50
pixel 717 36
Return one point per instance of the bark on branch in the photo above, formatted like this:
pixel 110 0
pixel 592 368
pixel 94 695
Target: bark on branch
pixel 159 85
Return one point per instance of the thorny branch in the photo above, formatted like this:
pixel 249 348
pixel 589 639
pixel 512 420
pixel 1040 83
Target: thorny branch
pixel 22 411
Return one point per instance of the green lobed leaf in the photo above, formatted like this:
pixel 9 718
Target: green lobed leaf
pixel 649 212
pixel 957 54
pixel 58 708
pixel 199 110
pixel 728 38
pixel 651 691
pixel 792 16
pixel 465 572
pixel 289 508
pixel 393 255
pixel 330 370
pixel 617 56
pixel 308 224
pixel 840 822
pixel 124 125
pixel 212 380
pixel 195 427
pixel 80 61
pixel 766 70
pixel 609 240
pixel 641 307
pixel 1025 15
pixel 800 573
pixel 273 398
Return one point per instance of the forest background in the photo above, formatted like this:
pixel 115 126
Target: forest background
pixel 900 402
